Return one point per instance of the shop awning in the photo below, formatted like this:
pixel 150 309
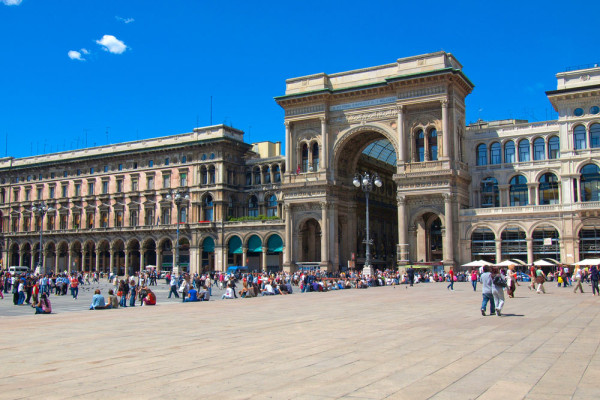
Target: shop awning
pixel 275 244
pixel 235 245
pixel 208 245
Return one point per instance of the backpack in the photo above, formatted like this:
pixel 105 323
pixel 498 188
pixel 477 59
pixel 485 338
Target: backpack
pixel 499 281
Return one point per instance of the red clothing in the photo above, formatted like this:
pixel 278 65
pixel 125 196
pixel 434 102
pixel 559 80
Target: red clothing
pixel 150 299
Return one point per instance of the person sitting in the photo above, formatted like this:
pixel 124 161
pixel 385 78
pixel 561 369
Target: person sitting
pixel 113 301
pixel 98 302
pixel 150 299
pixel 204 294
pixel 43 306
pixel 228 293
pixel 268 290
pixel 192 296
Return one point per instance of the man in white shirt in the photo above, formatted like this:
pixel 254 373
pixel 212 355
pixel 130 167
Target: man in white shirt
pixel 268 290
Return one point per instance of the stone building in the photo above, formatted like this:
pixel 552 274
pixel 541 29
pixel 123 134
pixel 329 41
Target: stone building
pixel 451 193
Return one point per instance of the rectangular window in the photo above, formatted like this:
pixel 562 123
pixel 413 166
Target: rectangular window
pixel 150 183
pixel 90 188
pixel 64 189
pixel 133 218
pixel 149 217
pixel 135 165
pixel 52 190
pixel 166 181
pixel 106 168
pixel 104 187
pixel 76 221
pixel 26 224
pixel 78 189
pixel 63 221
pixel 103 219
pixel 183 179
pixel 119 218
pixel 120 167
pixel 90 220
pixel 134 185
pixel 166 216
pixel 39 193
pixel 120 186
pixel 151 163
pixel 15 224
pixel 50 222
pixel 27 194
pixel 16 195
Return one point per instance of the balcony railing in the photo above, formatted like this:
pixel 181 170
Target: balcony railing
pixel 475 212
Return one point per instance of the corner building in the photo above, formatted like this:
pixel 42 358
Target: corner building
pixel 451 192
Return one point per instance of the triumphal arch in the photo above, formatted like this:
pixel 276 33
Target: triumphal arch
pixel 404 121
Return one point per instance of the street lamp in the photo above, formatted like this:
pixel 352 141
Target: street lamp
pixel 366 181
pixel 178 197
pixel 40 209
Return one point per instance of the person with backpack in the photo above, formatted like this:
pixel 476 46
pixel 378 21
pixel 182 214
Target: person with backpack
pixel 499 283
pixel 595 277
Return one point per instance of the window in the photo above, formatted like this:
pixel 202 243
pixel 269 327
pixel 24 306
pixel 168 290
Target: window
pixel 433 145
pixel 509 152
pixel 151 163
pixel 276 174
pixel 579 137
pixel 77 189
pixel 207 204
pixel 590 183
pixel 539 149
pixel 495 153
pixel 78 173
pixel 120 168
pixel 134 185
pixel 51 176
pixel 257 176
pixel 594 110
pixel 166 181
pixel 40 177
pixel 315 155
pixel 50 222
pixel 548 189
pixel 524 150
pixel 15 224
pixel 27 194
pixel 518 191
pixel 553 148
pixel 16 195
pixel 420 146
pixel 149 216
pixel 166 216
pixel 182 179
pixel 76 221
pixel 271 206
pixel 90 220
pixel 52 192
pixel 133 218
pixel 253 206
pixel 304 158
pixel 203 176
pixel 39 193
pixel 90 188
pixel 106 168
pixel 183 215
pixel 183 159
pixel 490 196
pixel 63 221
pixel 65 191
pixel 578 112
pixel 135 165
pixel 595 135
pixel 211 175
pixel 167 161
pixel 118 218
pixel 231 207
pixel 481 154
pixel 26 223
pixel 104 187
pixel 65 174
pixel 150 183
pixel 248 178
pixel 91 170
pixel 103 219
pixel 119 185
pixel 267 175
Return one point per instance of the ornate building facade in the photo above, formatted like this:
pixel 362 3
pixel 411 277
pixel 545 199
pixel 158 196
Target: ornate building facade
pixel 451 192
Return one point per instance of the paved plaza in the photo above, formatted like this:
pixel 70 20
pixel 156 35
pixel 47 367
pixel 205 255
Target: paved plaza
pixel 389 342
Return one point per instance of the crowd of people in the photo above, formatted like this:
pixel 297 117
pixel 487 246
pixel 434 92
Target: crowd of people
pixel 36 290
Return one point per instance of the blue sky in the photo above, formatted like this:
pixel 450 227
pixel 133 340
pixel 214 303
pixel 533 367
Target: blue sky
pixel 73 70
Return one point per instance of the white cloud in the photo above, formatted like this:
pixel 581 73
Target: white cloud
pixel 85 51
pixel 75 55
pixel 11 2
pixel 125 20
pixel 112 44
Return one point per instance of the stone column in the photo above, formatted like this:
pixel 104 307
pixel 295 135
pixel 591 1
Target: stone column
pixel 498 250
pixel 97 260
pixel 504 193
pixel 401 138
pixel 142 261
pixel 449 225
pixel 288 148
pixel 402 231
pixel 264 258
pixel 529 250
pixel 287 245
pixel 577 192
pixel 111 262
pixel 272 174
pixel 56 267
pixel 476 198
pixel 244 255
pixel 69 260
pixel 32 262
pixel 334 251
pixel 127 262
pixel 446 130
pixel 325 147
pixel 532 193
pixel 324 236
pixel 84 266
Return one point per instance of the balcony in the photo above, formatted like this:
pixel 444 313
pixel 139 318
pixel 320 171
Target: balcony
pixel 531 209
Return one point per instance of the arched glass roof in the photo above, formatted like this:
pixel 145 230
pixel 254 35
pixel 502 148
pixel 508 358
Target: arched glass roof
pixel 382 150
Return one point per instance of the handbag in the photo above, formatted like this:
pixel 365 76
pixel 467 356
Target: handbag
pixel 499 281
pixel 119 293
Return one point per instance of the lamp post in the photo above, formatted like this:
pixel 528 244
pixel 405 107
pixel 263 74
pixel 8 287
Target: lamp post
pixel 178 197
pixel 40 209
pixel 366 182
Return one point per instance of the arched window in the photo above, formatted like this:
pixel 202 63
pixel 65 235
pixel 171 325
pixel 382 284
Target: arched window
pixel 553 147
pixel 548 189
pixel 203 176
pixel 481 154
pixel 304 157
pixel 433 145
pixel 267 173
pixel 315 155
pixel 208 207
pixel 595 135
pixel 589 242
pixel 590 183
pixel 271 206
pixel 518 191
pixel 211 175
pixel 257 176
pixel 253 206
pixel 490 196
pixel 514 244
pixel 495 153
pixel 539 149
pixel 420 145
pixel 276 174
pixel 524 150
pixel 509 152
pixel 483 245
pixel 248 178
pixel 579 137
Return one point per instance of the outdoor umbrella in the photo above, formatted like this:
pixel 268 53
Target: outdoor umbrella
pixel 477 263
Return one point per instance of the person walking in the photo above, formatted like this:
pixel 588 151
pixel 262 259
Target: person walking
pixel 411 275
pixel 451 274
pixel 595 277
pixel 532 275
pixel 499 283
pixel 474 279
pixel 577 275
pixel 74 287
pixel 540 278
pixel 173 284
pixel 486 291
pixel 511 281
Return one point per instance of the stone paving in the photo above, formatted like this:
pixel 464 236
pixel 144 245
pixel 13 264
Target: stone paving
pixel 391 342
